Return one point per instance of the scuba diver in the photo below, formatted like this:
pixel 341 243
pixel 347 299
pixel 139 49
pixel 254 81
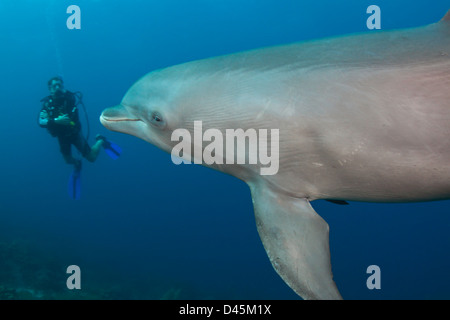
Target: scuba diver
pixel 59 114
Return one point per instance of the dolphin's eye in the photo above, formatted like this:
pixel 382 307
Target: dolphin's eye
pixel 156 119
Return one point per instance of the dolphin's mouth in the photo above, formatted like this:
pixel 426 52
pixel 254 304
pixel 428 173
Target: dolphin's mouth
pixel 117 113
pixel 116 118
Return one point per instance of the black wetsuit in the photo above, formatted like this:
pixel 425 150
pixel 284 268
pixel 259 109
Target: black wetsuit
pixel 55 106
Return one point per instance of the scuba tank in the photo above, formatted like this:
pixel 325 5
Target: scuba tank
pixel 79 101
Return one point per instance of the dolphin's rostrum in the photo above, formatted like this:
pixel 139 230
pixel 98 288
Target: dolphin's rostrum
pixel 363 117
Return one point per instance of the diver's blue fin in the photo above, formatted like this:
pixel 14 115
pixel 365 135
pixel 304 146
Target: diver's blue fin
pixel 74 185
pixel 111 149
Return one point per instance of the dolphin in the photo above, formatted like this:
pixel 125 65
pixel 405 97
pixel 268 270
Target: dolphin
pixel 361 117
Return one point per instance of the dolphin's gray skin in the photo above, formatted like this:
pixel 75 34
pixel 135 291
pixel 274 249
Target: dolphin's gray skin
pixel 362 117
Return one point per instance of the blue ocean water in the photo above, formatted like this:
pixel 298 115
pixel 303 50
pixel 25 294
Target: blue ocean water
pixel 145 228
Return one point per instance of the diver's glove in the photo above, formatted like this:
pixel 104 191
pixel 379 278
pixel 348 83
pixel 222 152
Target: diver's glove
pixel 64 120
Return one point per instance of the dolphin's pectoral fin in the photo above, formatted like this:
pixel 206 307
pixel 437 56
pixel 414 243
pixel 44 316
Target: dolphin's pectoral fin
pixel 296 240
